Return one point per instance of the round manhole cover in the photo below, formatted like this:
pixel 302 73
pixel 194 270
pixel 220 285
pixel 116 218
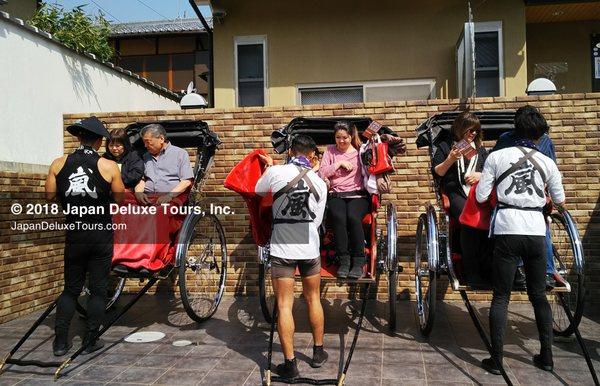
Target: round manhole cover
pixel 182 343
pixel 144 337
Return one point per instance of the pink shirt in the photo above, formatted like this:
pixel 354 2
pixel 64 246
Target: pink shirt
pixel 341 180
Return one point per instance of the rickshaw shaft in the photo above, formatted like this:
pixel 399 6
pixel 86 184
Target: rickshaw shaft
pixel 586 354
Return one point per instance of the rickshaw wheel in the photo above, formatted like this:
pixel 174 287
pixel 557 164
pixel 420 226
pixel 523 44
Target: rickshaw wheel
pixel 114 290
pixel 392 263
pixel 202 266
pixel 425 290
pixel 563 241
pixel 265 287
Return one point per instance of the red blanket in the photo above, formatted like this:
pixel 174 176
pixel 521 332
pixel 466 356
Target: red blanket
pixel 149 239
pixel 242 180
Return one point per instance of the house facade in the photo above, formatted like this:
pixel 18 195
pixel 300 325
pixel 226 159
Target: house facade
pixel 169 52
pixel 275 53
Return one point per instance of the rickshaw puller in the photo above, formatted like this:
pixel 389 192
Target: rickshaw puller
pixel 520 175
pixel 299 197
pixel 84 179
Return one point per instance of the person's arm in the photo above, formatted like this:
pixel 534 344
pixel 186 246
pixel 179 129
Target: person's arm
pixel 486 181
pixel 50 186
pixel 134 171
pixel 263 185
pixel 328 167
pixel 116 184
pixel 555 187
pixel 442 168
pixel 111 173
pixel 139 192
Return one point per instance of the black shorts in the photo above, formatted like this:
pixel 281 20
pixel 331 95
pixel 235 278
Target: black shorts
pixel 286 268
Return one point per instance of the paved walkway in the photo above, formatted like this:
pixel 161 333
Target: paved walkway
pixel 230 348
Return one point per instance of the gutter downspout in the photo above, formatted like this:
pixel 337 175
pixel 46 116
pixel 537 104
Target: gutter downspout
pixel 211 74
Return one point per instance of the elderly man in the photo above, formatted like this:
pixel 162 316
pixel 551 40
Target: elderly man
pixel 168 171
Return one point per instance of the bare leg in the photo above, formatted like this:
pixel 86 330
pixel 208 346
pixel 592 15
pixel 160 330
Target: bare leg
pixel 312 293
pixel 284 293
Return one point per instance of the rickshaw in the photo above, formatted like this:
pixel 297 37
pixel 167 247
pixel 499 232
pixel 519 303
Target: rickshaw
pixel 435 254
pixel 200 250
pixel 380 236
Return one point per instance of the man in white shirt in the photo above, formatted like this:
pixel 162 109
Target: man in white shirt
pixel 299 198
pixel 520 175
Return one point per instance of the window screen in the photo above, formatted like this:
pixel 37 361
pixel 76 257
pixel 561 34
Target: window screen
pixel 251 82
pixel 487 64
pixel 315 96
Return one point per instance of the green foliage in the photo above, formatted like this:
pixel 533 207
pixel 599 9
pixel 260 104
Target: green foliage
pixel 75 29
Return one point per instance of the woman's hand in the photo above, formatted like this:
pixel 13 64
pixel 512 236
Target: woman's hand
pixel 266 159
pixel 454 155
pixel 472 178
pixel 345 165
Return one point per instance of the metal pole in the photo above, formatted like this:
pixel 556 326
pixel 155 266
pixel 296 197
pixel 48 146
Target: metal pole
pixel 211 74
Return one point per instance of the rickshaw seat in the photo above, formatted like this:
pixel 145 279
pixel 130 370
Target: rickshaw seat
pixel 149 240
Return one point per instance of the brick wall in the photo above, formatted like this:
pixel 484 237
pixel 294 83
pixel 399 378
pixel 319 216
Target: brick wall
pixel 30 269
pixel 574 120
pixel 30 262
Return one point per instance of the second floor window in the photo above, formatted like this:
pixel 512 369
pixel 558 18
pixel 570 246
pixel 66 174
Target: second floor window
pixel 250 61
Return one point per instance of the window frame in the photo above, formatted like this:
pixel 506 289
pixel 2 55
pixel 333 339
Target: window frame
pixel 250 40
pixel 494 26
pixel 463 45
pixel 364 85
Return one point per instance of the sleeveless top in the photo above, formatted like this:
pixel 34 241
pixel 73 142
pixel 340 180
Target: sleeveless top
pixel 80 187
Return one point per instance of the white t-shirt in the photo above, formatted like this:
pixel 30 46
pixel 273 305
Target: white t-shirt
pixel 295 221
pixel 522 188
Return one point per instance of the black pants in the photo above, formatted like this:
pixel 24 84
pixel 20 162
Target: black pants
pixel 85 252
pixel 345 215
pixel 457 203
pixel 508 249
pixel 476 255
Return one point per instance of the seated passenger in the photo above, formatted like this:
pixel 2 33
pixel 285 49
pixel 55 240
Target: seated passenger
pixel 148 243
pixel 458 174
pixel 168 171
pixel 118 149
pixel 348 200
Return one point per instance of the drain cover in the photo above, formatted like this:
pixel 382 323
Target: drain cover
pixel 144 337
pixel 182 343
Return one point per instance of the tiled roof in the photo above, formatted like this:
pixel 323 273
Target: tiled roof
pixel 159 27
pixel 145 82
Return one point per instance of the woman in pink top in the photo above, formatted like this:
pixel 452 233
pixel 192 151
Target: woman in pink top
pixel 347 201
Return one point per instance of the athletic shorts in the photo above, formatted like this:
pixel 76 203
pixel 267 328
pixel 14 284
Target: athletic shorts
pixel 282 268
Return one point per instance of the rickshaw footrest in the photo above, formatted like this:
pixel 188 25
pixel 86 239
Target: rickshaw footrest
pixel 310 381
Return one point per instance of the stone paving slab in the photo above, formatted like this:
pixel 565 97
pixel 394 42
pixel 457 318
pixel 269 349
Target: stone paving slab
pixel 230 349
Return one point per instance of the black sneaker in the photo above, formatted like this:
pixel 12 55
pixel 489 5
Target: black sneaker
pixel 543 362
pixel 357 267
pixel 319 357
pixel 288 369
pixel 92 345
pixel 60 348
pixel 344 268
pixel 489 365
